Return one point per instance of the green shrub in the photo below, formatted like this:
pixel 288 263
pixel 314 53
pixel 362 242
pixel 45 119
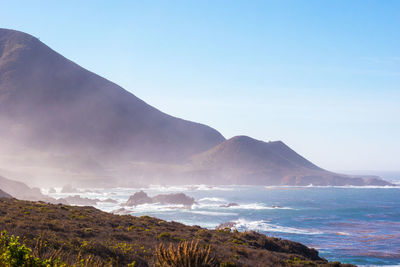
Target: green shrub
pixel 164 235
pixel 13 254
pixel 227 264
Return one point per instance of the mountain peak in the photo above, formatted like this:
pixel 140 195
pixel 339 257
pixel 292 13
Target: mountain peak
pixel 59 106
pixel 247 140
pixel 12 42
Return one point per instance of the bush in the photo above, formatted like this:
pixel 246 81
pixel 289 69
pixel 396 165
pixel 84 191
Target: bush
pixel 164 235
pixel 13 254
pixel 185 255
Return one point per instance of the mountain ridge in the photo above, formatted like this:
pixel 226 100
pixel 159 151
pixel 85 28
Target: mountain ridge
pixel 60 120
pixel 242 158
pixel 50 94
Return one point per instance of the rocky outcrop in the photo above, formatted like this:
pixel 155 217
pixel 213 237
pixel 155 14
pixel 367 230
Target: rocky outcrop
pixel 142 198
pixel 139 198
pixel 178 198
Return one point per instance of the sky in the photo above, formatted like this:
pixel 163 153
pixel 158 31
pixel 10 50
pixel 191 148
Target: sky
pixel 322 76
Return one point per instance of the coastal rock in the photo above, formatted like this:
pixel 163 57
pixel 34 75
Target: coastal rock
pixel 233 204
pixel 80 201
pixel 178 198
pixel 141 197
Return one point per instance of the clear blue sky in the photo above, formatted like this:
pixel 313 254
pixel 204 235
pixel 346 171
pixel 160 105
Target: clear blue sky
pixel 322 76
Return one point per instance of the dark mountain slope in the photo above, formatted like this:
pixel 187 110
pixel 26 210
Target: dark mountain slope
pixel 49 102
pixel 4 194
pixel 63 124
pixel 243 160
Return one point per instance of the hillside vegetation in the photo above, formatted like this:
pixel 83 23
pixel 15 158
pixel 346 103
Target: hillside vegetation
pixel 75 235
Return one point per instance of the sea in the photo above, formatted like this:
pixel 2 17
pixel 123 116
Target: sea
pixel 357 225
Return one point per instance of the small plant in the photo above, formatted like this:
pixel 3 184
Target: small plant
pixel 164 235
pixel 185 255
pixel 13 254
pixel 227 264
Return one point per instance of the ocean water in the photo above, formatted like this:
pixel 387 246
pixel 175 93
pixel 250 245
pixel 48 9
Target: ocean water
pixel 352 225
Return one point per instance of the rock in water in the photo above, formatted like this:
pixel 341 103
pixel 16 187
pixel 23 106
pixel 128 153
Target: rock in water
pixel 179 198
pixel 139 198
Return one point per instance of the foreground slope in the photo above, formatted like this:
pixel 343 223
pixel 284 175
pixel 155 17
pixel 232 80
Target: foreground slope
pixel 88 231
pixel 49 102
pixel 244 160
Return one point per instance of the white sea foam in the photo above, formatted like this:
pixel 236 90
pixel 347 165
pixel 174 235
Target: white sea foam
pixel 203 187
pixel 173 188
pixel 243 224
pixel 334 186
pixel 155 208
pixel 212 199
pixel 212 213
pixel 258 206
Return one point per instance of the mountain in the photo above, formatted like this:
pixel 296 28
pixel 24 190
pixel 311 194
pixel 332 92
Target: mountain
pixel 244 160
pixel 4 194
pixel 62 124
pixel 51 103
pixel 21 191
pixel 58 119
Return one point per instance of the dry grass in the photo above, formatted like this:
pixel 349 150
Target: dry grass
pixel 185 254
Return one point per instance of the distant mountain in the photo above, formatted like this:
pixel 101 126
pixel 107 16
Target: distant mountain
pixel 49 102
pixel 62 124
pixel 4 194
pixel 21 191
pixel 244 160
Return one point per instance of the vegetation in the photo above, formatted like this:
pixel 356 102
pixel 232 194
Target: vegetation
pixel 185 254
pixel 60 235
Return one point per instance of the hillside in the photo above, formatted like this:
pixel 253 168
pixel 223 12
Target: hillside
pixel 62 124
pixel 244 160
pixel 88 231
pixel 50 104
pixel 21 191
pixel 4 194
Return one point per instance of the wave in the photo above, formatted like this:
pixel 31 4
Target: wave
pixel 223 206
pixel 212 213
pixel 203 187
pixel 264 226
pixel 159 208
pixel 335 186
pixel 155 208
pixel 212 199
pixel 180 188
pixel 259 206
